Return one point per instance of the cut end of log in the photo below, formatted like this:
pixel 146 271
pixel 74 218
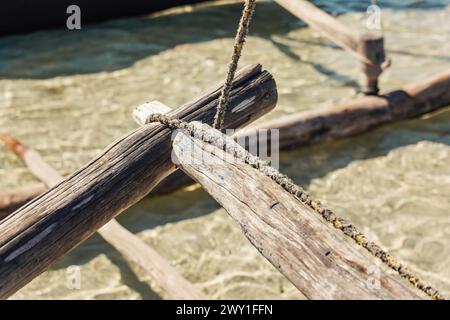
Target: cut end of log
pixel 142 113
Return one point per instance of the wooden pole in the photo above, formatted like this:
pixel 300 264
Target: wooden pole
pixel 368 48
pixel 47 14
pixel 130 246
pixel 40 233
pixel 309 252
pixel 364 114
pixel 317 126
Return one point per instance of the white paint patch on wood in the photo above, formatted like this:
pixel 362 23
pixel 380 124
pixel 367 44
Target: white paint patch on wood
pixel 82 203
pixel 30 244
pixel 142 112
pixel 243 105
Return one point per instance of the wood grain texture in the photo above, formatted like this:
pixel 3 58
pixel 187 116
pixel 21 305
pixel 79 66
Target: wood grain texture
pixel 38 234
pixel 366 113
pixel 130 246
pixel 309 252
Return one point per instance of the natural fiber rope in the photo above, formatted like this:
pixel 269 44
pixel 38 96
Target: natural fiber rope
pixel 284 181
pixel 239 42
pixel 287 184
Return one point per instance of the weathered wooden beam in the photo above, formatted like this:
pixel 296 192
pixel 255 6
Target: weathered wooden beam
pixel 295 239
pixel 328 124
pixel 44 230
pixel 13 199
pixel 364 114
pixel 368 48
pixel 130 246
pixel 317 126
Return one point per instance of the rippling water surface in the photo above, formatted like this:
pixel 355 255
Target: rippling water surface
pixel 69 94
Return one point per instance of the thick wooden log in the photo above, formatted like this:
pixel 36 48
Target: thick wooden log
pixel 159 269
pixel 130 246
pixel 309 252
pixel 368 48
pixel 323 22
pixel 364 114
pixel 44 230
pixel 328 124
pixel 317 126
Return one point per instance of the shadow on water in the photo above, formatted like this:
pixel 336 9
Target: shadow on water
pixel 335 75
pixel 286 49
pixel 129 278
pixel 302 165
pixel 118 44
pixel 97 245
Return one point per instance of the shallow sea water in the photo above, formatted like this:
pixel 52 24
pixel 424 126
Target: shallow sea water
pixel 69 94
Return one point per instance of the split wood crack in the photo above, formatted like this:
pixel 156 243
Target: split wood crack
pixel 122 175
pixel 134 250
pixel 214 137
pixel 217 139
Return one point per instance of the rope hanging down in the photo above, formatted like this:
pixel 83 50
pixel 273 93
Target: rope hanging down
pixel 247 13
pixel 284 181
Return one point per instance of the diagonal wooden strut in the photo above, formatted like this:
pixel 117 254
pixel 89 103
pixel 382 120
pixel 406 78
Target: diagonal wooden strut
pixel 310 253
pixel 130 246
pixel 44 230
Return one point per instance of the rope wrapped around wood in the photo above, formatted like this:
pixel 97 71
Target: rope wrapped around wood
pixel 211 137
pixel 224 143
